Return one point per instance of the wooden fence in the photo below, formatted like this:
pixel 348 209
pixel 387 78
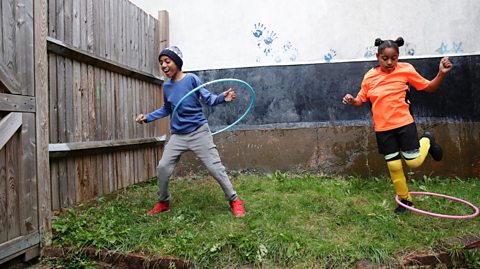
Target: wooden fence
pixel 73 76
pixel 103 71
pixel 24 177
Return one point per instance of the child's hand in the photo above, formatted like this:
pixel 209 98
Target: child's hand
pixel 445 65
pixel 141 119
pixel 348 99
pixel 229 95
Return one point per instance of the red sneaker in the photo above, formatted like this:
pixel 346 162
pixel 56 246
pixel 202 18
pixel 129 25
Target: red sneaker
pixel 159 207
pixel 237 208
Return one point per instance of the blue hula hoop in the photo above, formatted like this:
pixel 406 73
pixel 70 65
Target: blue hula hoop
pixel 219 81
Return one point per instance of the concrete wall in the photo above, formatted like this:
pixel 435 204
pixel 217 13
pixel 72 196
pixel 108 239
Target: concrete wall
pixel 339 150
pixel 233 33
pixel 302 56
pixel 299 122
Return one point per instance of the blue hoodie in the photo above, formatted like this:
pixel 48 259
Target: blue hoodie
pixel 189 115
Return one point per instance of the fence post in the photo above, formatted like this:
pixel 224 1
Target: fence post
pixel 164 41
pixel 42 124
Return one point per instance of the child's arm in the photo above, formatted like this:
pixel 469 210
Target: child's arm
pixel 444 68
pixel 211 99
pixel 348 99
pixel 155 115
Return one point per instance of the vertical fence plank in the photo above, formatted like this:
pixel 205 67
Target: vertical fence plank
pixel 69 104
pixel 77 98
pixel 8 42
pixel 3 196
pixel 41 116
pixel 118 155
pixel 24 48
pixel 61 108
pixel 27 214
pixel 102 116
pixel 52 66
pixel 13 183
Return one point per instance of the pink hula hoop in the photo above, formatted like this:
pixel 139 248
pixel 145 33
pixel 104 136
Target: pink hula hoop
pixel 477 211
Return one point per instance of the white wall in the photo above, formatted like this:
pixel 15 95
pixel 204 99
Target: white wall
pixel 221 33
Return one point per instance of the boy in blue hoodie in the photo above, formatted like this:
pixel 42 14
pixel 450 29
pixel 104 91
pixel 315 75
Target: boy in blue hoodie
pixel 189 129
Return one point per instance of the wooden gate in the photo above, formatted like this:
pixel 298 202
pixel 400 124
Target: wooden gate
pixel 21 225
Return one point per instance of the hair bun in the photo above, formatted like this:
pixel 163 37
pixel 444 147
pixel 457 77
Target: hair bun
pixel 400 41
pixel 378 42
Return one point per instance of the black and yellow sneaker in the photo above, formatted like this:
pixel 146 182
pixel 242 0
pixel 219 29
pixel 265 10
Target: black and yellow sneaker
pixel 435 149
pixel 400 209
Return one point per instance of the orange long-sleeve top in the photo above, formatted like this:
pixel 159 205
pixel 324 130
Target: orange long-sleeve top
pixel 387 92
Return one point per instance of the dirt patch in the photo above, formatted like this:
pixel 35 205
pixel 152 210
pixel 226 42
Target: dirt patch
pixel 439 257
pixel 114 259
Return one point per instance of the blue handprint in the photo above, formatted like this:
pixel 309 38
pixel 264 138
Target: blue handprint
pixel 329 56
pixel 457 47
pixel 271 35
pixel 443 48
pixel 258 30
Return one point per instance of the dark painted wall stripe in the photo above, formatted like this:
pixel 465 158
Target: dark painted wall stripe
pixel 302 95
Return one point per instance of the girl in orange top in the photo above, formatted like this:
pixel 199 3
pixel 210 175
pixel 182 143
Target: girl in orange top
pixel 385 87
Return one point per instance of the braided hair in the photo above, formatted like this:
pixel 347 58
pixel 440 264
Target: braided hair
pixel 382 44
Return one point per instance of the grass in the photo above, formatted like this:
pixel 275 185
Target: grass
pixel 292 221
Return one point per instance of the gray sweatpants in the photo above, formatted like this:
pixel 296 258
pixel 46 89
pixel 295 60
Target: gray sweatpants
pixel 201 143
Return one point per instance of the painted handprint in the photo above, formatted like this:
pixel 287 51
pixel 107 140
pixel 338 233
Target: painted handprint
pixel 329 56
pixel 457 47
pixel 258 30
pixel 271 36
pixel 370 52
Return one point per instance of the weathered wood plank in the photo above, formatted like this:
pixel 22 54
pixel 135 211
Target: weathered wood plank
pixel 17 103
pixel 28 184
pixel 9 45
pixel 90 26
pixel 28 199
pixel 76 96
pixel 117 135
pixel 62 104
pixel 163 29
pixel 141 41
pixel 103 134
pixel 107 26
pixel 41 119
pixel 53 109
pixel 69 105
pixel 3 196
pixel 13 182
pixel 8 126
pixel 98 159
pixel 115 19
pixel 91 126
pixel 83 25
pixel 25 56
pixel 84 84
pixel 110 132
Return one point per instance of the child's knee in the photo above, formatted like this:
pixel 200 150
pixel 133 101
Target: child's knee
pixel 414 163
pixel 394 165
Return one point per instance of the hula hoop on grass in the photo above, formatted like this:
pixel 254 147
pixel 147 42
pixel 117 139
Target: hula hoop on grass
pixel 440 215
pixel 220 81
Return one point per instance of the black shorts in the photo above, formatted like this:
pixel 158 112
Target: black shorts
pixel 401 139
